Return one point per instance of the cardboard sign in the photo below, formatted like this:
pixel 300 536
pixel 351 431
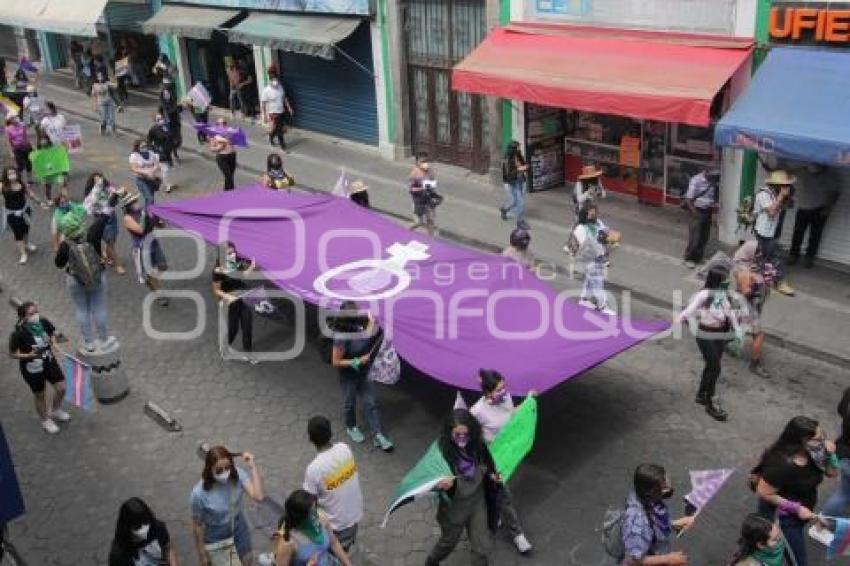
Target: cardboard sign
pixel 72 138
pixel 199 96
pixel 122 67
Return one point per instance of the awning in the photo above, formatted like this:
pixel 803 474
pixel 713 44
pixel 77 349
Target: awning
pixel 310 35
pixel 55 16
pixel 795 107
pixel 649 75
pixel 196 23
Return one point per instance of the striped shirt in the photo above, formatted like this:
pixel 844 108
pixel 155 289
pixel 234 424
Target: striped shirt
pixel 766 224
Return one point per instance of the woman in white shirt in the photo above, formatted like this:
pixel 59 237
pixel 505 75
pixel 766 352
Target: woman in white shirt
pixel 493 411
pixel 590 235
pixel 717 324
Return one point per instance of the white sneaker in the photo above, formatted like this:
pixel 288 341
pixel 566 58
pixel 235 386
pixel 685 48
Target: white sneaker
pixel 168 188
pixel 31 247
pixel 522 544
pixel 88 348
pixel 108 343
pixel 49 426
pixel 23 259
pixel 59 415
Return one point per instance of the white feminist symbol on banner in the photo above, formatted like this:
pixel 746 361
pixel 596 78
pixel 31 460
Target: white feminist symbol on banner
pixel 374 280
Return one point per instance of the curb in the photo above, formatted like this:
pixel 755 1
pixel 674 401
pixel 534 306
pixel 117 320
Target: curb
pixel 775 338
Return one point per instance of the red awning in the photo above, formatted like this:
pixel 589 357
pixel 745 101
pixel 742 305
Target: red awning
pixel 650 75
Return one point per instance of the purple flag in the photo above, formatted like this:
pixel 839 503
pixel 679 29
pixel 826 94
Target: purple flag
pixel 27 65
pixel 236 136
pixel 449 310
pixel 705 484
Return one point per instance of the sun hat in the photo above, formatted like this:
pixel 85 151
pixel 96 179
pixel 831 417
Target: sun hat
pixel 780 177
pixel 590 172
pixel 357 187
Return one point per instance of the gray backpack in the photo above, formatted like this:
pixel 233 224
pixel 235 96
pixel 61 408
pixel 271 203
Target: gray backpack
pixel 84 263
pixel 612 533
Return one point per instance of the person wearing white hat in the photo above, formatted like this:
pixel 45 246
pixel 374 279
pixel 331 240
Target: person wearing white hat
pixel 769 203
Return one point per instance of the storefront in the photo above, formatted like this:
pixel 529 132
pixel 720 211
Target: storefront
pixel 639 105
pixel 794 111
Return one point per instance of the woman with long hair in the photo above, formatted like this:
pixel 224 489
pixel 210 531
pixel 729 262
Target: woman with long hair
pixel 647 528
pixel 514 170
pixel 591 237
pixel 140 538
pixel 838 504
pixel 225 155
pixel 18 211
pixel 305 539
pixel 789 474
pixel 31 343
pixel 98 191
pixel 463 504
pixel 276 177
pixel 218 523
pixel 717 324
pixel 761 543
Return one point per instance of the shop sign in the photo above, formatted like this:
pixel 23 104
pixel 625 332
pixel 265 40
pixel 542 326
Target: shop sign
pixel 358 7
pixel 810 23
pixel 702 16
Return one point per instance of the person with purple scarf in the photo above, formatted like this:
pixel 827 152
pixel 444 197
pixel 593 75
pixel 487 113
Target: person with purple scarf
pixel 647 528
pixel 463 505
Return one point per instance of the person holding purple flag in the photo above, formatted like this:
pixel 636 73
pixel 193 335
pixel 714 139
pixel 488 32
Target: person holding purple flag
pixel 225 154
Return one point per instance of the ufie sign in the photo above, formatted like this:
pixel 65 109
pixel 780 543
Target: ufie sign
pixel 810 24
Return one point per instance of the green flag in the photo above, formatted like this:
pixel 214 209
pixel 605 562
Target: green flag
pixel 420 480
pixel 50 162
pixel 516 438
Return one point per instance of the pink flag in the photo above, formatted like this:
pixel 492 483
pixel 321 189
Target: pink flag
pixel 705 484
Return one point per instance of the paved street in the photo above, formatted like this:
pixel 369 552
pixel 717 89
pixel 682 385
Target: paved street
pixel 593 429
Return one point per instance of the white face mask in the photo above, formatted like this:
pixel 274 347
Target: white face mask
pixel 33 318
pixel 142 532
pixel 275 83
pixel 223 477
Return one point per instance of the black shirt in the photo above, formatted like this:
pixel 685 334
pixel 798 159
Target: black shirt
pixel 842 445
pixel 156 545
pixel 23 340
pixel 797 483
pixel 15 199
pixel 230 281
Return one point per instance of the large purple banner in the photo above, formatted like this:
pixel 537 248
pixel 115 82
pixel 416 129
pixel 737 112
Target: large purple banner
pixel 449 310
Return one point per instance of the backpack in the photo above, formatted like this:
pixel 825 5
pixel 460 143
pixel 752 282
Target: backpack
pixel 509 171
pixel 612 533
pixel 84 263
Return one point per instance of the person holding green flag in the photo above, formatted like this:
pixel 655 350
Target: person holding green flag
pixel 462 501
pixel 493 411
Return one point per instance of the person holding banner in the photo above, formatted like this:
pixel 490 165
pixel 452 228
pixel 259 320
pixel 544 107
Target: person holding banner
pixel 493 410
pixel 18 211
pixel 225 155
pixel 227 284
pixel 31 343
pixel 462 502
pixel 140 224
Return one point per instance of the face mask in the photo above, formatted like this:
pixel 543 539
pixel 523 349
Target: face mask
pixel 460 440
pixel 668 493
pixel 499 398
pixel 223 477
pixel 33 319
pixel 275 83
pixel 98 182
pixel 142 532
pixel 13 176
pixel 771 555
pixel 724 286
pixel 817 452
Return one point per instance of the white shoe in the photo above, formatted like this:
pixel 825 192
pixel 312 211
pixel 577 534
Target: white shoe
pixel 87 348
pixel 587 304
pixel 23 259
pixel 608 311
pixel 168 188
pixel 31 247
pixel 59 415
pixel 49 426
pixel 108 343
pixel 522 544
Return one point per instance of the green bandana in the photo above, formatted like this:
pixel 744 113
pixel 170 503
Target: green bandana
pixel 36 329
pixel 771 555
pixel 312 528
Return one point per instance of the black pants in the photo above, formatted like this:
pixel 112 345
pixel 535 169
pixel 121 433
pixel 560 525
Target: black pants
pixel 278 127
pixel 699 230
pixel 239 315
pixel 814 220
pixel 711 349
pixel 770 252
pixel 227 164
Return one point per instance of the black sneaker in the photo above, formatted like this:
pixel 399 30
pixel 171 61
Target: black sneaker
pixel 504 213
pixel 715 411
pixel 792 259
pixel 701 399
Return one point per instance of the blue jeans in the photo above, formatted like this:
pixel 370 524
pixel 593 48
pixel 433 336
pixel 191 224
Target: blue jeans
pixel 354 386
pixel 89 306
pixel 145 190
pixel 107 115
pixel 838 503
pixel 516 199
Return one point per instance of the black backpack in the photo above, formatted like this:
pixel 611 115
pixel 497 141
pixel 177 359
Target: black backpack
pixel 84 263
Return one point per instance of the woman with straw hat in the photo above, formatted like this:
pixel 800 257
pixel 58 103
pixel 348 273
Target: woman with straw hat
pixel 588 187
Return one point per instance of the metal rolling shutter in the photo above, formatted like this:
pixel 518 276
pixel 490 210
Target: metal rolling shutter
pixel 125 16
pixel 334 97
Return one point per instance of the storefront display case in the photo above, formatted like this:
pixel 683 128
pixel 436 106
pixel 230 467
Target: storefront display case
pixel 544 134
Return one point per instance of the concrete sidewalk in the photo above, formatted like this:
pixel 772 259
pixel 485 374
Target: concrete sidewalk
pixel 648 264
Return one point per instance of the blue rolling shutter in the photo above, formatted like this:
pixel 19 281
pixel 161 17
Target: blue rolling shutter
pixel 125 16
pixel 334 97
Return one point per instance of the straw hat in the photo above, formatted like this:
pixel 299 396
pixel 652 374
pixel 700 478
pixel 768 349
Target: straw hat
pixel 781 178
pixel 590 172
pixel 357 187
pixel 127 197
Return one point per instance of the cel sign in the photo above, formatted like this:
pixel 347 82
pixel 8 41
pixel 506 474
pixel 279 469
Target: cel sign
pixel 824 24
